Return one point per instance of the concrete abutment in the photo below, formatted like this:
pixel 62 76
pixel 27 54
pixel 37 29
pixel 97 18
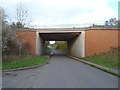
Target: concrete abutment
pixel 40 44
pixel 76 46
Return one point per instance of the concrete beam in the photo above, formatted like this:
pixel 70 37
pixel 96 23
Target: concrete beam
pixel 58 36
pixel 60 30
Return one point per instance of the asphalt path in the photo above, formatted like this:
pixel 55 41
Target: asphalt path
pixel 61 72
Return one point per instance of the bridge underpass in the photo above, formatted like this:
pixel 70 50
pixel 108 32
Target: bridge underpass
pixel 64 72
pixel 75 41
pixel 80 42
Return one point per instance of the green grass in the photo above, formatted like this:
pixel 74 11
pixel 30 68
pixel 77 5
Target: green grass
pixel 108 59
pixel 25 62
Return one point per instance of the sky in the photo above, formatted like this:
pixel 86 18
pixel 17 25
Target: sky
pixel 54 13
pixel 52 42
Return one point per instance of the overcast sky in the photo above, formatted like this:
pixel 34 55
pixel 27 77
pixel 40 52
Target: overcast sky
pixel 53 12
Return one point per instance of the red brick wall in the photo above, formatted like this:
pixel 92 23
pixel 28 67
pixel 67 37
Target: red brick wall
pixel 99 41
pixel 30 37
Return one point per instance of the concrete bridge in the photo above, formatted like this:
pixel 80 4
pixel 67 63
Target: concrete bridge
pixel 81 42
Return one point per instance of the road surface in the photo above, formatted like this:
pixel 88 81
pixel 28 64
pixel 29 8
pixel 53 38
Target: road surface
pixel 61 72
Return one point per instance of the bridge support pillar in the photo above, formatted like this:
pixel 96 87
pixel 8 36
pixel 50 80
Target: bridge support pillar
pixel 40 44
pixel 76 46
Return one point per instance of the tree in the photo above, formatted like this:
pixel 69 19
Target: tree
pixel 22 21
pixel 61 45
pixel 21 14
pixel 10 45
pixel 106 23
pixel 0 33
pixel 111 22
pixel 7 33
pixel 5 36
pixel 17 25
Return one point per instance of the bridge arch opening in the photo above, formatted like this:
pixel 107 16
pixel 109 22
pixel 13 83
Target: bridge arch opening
pixel 74 40
pixel 57 48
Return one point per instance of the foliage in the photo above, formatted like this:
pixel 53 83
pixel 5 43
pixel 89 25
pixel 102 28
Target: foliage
pixel 61 46
pixel 112 21
pixel 10 44
pixel 17 25
pixel 53 45
pixel 7 34
pixel 22 16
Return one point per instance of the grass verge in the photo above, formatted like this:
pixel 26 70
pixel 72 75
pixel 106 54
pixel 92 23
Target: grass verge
pixel 25 62
pixel 108 71
pixel 105 70
pixel 107 59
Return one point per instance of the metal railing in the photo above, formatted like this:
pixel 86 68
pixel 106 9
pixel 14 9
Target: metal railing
pixel 97 25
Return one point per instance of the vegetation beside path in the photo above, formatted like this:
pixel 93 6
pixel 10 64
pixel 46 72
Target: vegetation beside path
pixel 24 62
pixel 106 59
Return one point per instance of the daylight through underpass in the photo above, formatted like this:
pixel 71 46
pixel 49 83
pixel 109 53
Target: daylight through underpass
pixel 56 47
